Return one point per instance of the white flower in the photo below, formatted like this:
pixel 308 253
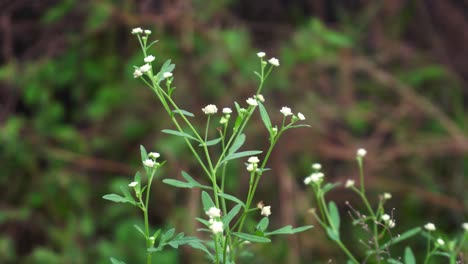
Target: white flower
pixel 349 183
pixel 227 110
pixel 210 109
pixel 361 152
pixel 216 227
pixel 147 32
pixel 387 196
pixel 316 176
pixel 385 217
pixel 465 226
pixel 286 111
pixel 213 212
pixel 149 59
pixel 266 210
pixel 307 180
pixel 145 68
pixel 149 163
pixel 137 73
pixel 250 167
pixel 316 166
pixel 274 62
pixel 154 155
pixel 261 54
pixel 440 241
pixel 391 223
pixel 133 184
pixel 167 74
pixel 253 159
pixel 251 101
pixel 430 227
pixel 137 30
pixel 300 116
pixel 260 98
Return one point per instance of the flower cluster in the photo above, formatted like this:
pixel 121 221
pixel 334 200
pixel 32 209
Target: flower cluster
pixel 264 210
pixel 151 161
pixel 388 220
pixel 252 164
pixel 316 176
pixel 210 109
pixel 216 225
pixel 286 111
pixel 273 61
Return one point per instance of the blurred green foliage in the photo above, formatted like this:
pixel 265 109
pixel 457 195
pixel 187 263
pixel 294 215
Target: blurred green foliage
pixel 79 118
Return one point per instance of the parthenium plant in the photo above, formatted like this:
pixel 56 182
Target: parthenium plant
pixel 226 214
pixel 378 225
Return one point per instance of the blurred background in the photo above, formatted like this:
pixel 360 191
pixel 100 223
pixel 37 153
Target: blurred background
pixel 389 76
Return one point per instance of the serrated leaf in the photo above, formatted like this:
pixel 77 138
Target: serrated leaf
pixel 116 261
pixel 409 256
pixel 241 154
pixel 211 142
pixel 335 216
pixel 144 154
pixel 179 184
pixel 238 142
pixel 231 214
pixel 251 238
pixel 264 115
pixel 179 134
pixel 207 201
pixel 263 224
pixel 183 112
pixel 231 198
pixel 115 198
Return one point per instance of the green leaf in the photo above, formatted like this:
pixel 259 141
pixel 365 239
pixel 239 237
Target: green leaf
pixel 199 245
pixel 335 217
pixel 116 198
pixel 263 224
pixel 140 230
pixel 229 216
pixel 252 238
pixel 116 261
pixel 151 44
pixel 211 142
pixel 231 198
pixel 241 155
pixel 167 235
pixel 207 201
pixel 402 237
pixel 332 235
pixel 189 179
pixel 179 134
pixel 288 230
pixel 127 195
pixel 409 256
pixel 166 67
pixel 394 261
pixel 183 112
pixel 179 184
pixel 156 234
pixel 299 126
pixel 144 154
pixel 329 186
pixel 238 142
pixel 264 116
pixel 203 221
pixel 180 239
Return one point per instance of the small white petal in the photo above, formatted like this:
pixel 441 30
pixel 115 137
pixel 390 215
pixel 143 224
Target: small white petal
pixel 227 110
pixel 430 227
pixel 274 62
pixel 251 101
pixel 147 32
pixel 316 166
pixel 361 152
pixel 266 210
pixel 261 54
pixel 149 59
pixel 253 159
pixel 145 68
pixel 137 73
pixel 286 111
pixel 137 30
pixel 300 116
pixel 133 184
pixel 154 155
pixel 149 163
pixel 210 109
pixel 213 212
pixel 349 183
